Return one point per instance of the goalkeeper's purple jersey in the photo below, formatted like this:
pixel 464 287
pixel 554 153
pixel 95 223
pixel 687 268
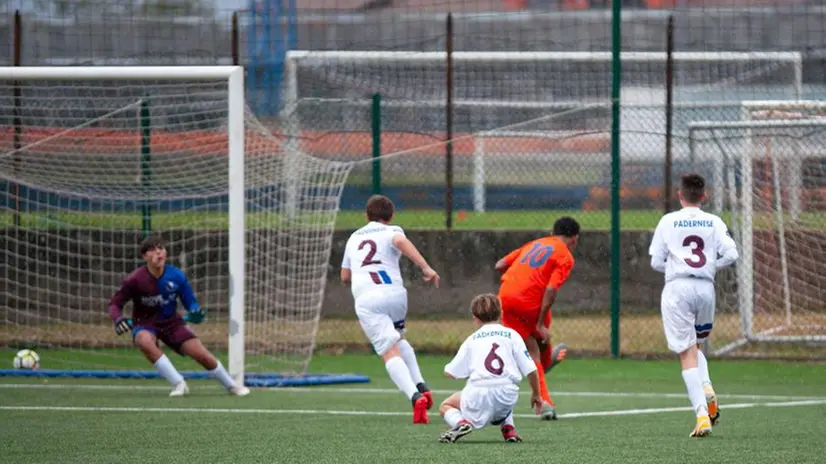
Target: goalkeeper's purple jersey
pixel 153 298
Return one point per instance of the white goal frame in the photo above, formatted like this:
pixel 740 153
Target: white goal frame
pixel 234 75
pixel 744 207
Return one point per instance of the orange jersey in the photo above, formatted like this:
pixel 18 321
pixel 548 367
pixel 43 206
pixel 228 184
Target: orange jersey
pixel 537 265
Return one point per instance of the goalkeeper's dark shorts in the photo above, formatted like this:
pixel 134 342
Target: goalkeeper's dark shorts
pixel 173 332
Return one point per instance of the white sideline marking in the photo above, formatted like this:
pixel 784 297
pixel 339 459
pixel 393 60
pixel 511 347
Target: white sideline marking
pixel 626 412
pixel 394 391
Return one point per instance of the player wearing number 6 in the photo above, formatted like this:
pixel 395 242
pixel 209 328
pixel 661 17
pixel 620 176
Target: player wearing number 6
pixel 494 359
pixel 154 290
pixel 371 266
pixel 533 275
pixel 689 246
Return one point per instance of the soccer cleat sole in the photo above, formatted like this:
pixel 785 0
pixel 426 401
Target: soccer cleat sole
pixel 451 436
pixel 713 406
pixel 513 439
pixel 557 356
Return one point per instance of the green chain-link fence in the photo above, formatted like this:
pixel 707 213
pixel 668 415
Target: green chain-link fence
pixel 531 119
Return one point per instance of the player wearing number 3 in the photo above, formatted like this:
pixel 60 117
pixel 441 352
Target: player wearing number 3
pixel 533 275
pixel 371 266
pixel 689 246
pixel 494 359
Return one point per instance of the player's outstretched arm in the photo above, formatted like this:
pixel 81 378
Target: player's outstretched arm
pixel 407 248
pixel 536 397
pixel 346 275
pixel 726 248
pixel 658 249
pixel 116 304
pixel 503 264
pixel 195 314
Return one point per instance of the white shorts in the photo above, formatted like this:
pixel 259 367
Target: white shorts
pixel 687 308
pixel 488 405
pixel 381 315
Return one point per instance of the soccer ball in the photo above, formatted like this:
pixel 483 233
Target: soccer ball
pixel 26 359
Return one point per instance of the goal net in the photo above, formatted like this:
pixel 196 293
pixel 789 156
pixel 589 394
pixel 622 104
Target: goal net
pixel 93 159
pixel 494 93
pixel 772 189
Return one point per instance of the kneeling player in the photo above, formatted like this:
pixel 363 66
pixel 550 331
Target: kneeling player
pixel 154 290
pixel 493 359
pixel 532 276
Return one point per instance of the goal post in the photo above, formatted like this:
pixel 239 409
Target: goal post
pixel 772 184
pixel 72 140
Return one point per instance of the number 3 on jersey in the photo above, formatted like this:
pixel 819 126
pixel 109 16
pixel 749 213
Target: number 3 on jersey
pixel 493 362
pixel 697 244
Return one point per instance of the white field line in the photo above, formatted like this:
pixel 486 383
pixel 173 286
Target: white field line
pixel 373 391
pixel 625 412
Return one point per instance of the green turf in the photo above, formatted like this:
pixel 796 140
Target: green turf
pixel 346 220
pixel 270 426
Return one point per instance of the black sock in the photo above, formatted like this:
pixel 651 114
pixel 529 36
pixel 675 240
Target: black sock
pixel 416 396
pixel 422 387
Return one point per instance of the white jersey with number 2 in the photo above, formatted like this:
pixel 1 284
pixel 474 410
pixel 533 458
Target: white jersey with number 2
pixel 691 243
pixel 373 260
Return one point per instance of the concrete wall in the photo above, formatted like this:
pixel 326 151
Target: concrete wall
pixel 68 272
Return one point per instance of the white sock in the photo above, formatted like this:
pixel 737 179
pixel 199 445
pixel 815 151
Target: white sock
pixel 452 417
pixel 401 376
pixel 222 375
pixel 702 365
pixel 694 385
pixel 168 371
pixel 409 356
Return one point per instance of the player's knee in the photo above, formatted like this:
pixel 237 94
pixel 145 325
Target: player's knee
pixel 445 407
pixel 392 352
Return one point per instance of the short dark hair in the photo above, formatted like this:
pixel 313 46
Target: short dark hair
pixel 566 227
pixel 380 208
pixel 693 187
pixel 151 242
pixel 486 307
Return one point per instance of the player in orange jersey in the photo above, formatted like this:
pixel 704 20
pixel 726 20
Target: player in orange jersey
pixel 532 276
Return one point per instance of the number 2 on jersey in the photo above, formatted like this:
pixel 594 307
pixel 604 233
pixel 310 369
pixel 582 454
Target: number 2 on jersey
pixel 368 260
pixel 696 251
pixel 499 367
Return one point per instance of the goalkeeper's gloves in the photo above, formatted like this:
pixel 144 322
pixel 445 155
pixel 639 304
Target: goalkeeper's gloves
pixel 123 325
pixel 195 317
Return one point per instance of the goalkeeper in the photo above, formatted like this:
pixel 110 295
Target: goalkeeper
pixel 154 290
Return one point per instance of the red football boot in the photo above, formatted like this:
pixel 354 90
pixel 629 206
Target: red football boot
pixel 420 410
pixel 510 435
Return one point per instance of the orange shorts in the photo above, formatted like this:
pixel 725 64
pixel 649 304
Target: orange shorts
pixel 524 321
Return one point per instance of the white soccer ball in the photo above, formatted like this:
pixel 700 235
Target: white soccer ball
pixel 26 359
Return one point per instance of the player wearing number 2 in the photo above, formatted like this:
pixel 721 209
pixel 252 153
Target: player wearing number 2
pixel 371 266
pixel 533 275
pixel 494 359
pixel 689 246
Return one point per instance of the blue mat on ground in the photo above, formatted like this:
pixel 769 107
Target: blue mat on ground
pixel 251 379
